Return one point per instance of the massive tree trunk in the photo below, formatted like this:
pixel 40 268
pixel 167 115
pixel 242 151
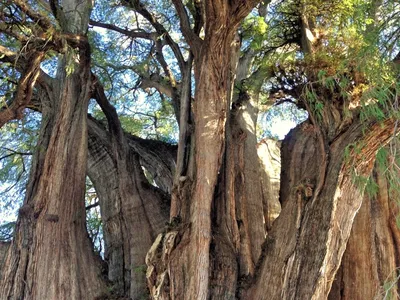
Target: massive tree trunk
pixel 51 256
pixel 305 245
pixel 369 268
pixel 222 240
pixel 219 219
pixel 184 272
pixel 133 212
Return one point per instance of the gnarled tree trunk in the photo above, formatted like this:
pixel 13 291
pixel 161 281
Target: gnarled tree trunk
pixel 182 271
pixel 51 256
pixel 306 243
pixel 133 212
pixel 370 264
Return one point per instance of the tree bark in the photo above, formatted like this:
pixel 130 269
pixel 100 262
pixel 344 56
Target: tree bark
pixel 3 252
pixel 305 245
pixel 51 256
pixel 269 153
pixel 133 212
pixel 371 260
pixel 180 269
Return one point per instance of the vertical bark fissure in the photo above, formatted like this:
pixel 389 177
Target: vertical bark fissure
pixel 56 206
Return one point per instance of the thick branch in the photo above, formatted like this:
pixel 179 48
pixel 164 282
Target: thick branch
pixel 161 87
pixel 20 62
pixel 239 9
pixel 92 205
pixel 24 90
pixel 41 20
pixel 157 157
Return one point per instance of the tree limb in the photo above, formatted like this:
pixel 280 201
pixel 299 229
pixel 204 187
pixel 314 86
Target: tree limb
pixel 160 29
pixel 24 90
pixel 155 82
pixel 131 33
pixel 92 205
pixel 41 20
pixel 192 39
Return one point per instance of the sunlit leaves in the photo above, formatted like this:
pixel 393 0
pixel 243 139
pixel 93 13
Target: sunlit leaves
pixel 254 29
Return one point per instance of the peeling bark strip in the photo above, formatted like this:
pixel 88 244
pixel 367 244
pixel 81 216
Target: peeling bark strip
pixel 51 256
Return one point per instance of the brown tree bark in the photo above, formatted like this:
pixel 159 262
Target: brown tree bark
pixel 369 268
pixel 184 273
pixel 133 212
pixel 305 245
pixel 269 153
pixel 51 255
pixel 3 252
pixel 221 214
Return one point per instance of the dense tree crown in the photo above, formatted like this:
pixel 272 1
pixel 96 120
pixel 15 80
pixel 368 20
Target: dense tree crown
pixel 142 150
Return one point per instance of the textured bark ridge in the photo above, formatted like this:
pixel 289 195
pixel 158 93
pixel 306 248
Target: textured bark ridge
pixel 3 251
pixel 185 272
pixel 235 207
pixel 219 218
pixel 51 255
pixel 369 264
pixel 51 246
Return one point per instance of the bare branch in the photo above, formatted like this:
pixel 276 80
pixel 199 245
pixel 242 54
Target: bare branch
pixel 192 39
pixel 131 33
pixel 41 20
pixel 163 63
pixel 92 205
pixel 19 62
pixel 160 29
pixel 155 82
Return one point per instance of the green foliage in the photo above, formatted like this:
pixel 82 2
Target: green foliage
pixel 140 269
pixel 71 58
pixel 255 29
pixel 388 162
pixel 367 184
pixel 316 105
pixel 371 187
